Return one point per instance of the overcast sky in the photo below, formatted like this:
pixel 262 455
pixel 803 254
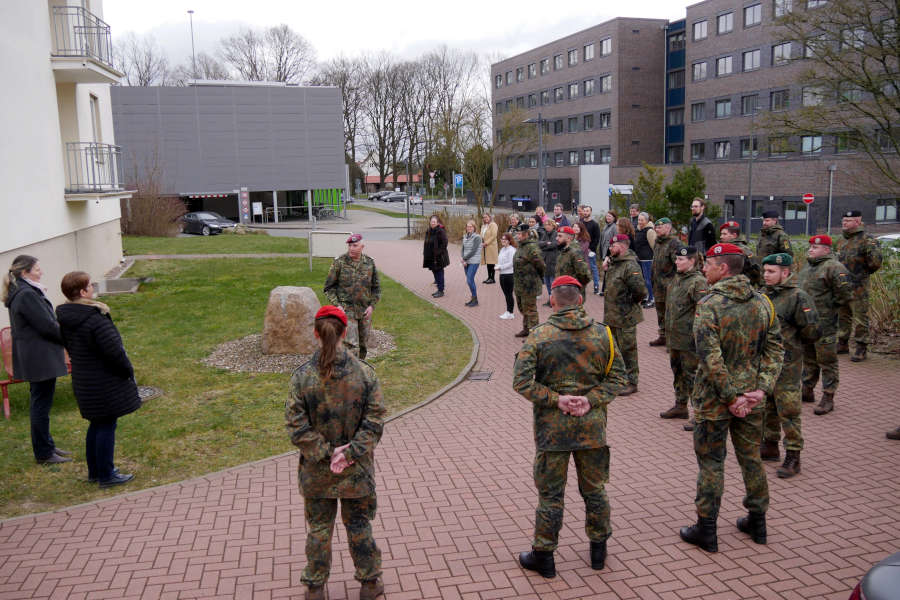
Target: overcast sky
pixel 353 27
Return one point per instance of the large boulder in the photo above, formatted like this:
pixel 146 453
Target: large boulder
pixel 288 327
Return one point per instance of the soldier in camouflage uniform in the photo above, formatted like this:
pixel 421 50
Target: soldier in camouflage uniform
pixel 570 261
pixel 799 326
pixel 625 289
pixel 663 272
pixel 730 233
pixel 861 254
pixel 528 274
pixel 739 345
pixel 772 238
pixel 687 288
pixel 353 285
pixel 570 369
pixel 335 416
pixel 828 282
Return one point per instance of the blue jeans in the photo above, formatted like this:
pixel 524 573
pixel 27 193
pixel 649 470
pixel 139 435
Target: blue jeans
pixel 592 261
pixel 439 279
pixel 647 270
pixel 100 446
pixel 471 270
pixel 548 281
pixel 39 412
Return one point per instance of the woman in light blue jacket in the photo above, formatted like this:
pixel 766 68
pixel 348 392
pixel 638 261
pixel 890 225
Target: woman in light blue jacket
pixel 471 259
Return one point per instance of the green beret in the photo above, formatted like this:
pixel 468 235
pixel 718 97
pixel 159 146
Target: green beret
pixel 780 260
pixel 663 221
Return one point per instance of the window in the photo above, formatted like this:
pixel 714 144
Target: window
pixel 588 52
pixel 779 100
pixel 559 94
pixel 811 144
pixel 697 150
pixel 558 62
pixel 509 105
pixel 605 120
pixel 545 98
pixel 498 81
pixel 812 95
pixel 723 66
pixel 499 108
pixel 723 150
pixel 815 46
pixel 676 80
pixel 746 144
pixel 588 87
pixel 676 42
pixel 725 23
pixel 532 161
pixel 605 83
pixel 606 47
pixel 779 146
pixel 558 159
pixel 499 136
pixel 794 210
pixel 723 109
pixel 699 71
pixel 546 127
pixel 557 127
pixel 751 60
pixel 573 58
pixel 545 66
pixel 700 30
pixel 846 142
pixel 815 3
pixel 781 53
pixel 532 100
pixel 520 162
pixel 532 71
pixel 588 122
pixel 510 161
pixel 675 154
pixel 849 93
pixel 573 125
pixel 520 73
pixel 520 102
pixel 783 7
pixel 676 116
pixel 886 210
pixel 573 91
pixel 752 15
pixel 728 211
pixel 853 38
pixel 588 157
pixel 605 156
pixel 509 78
pixel 573 157
pixel 698 112
pixel 749 104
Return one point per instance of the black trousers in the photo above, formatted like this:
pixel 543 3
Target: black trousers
pixel 506 284
pixel 100 447
pixel 439 279
pixel 41 402
pixel 490 270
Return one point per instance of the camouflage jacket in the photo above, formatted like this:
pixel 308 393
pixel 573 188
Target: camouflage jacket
pixel 828 282
pixel 860 253
pixel 528 268
pixel 353 284
pixel 773 240
pixel 663 270
pixel 686 290
pixel 752 268
pixel 571 262
pixel 569 354
pixel 625 288
pixel 797 316
pixel 322 415
pixel 738 346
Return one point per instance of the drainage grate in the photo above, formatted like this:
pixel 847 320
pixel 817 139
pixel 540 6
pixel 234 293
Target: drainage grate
pixel 480 375
pixel 147 392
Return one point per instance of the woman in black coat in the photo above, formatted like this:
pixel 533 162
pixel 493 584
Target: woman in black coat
pixel 102 375
pixel 435 255
pixel 37 350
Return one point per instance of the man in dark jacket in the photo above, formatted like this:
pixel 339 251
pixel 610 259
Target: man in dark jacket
pixel 701 232
pixel 593 229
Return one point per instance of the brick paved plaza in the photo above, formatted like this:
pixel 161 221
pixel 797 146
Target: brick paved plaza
pixel 457 500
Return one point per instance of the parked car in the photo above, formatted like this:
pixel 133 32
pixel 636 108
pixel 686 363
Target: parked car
pixel 890 240
pixel 394 197
pixel 205 223
pixel 415 199
pixel 378 195
pixel 881 582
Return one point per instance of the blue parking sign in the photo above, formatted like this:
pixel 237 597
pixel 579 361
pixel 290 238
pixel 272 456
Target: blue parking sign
pixel 458 180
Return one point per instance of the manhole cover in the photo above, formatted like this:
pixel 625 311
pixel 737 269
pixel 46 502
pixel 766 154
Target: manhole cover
pixel 147 392
pixel 480 375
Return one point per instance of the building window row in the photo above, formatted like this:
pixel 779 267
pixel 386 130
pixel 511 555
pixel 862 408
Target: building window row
pixel 559 61
pixel 570 91
pixel 560 158
pixel 752 16
pixel 751 60
pixel 778 100
pixel 811 144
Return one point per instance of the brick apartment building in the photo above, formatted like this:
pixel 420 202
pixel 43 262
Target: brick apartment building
pixel 725 68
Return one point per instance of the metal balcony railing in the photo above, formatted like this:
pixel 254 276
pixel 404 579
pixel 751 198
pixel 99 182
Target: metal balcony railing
pixel 93 168
pixel 79 33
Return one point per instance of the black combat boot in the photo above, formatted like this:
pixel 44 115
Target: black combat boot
pixel 371 589
pixel 843 347
pixel 702 534
pixel 315 592
pixel 791 464
pixel 540 561
pixel 859 354
pixel 598 555
pixel 679 411
pixel 689 426
pixel 808 395
pixel 659 341
pixel 754 524
pixel 826 405
pixel 768 450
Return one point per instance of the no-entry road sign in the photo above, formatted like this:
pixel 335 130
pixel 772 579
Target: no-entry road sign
pixel 808 198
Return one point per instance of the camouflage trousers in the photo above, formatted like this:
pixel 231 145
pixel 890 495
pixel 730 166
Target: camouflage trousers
pixel 660 316
pixel 709 446
pixel 527 304
pixel 550 472
pixel 684 367
pixel 784 408
pixel 853 318
pixel 626 340
pixel 356 513
pixel 821 356
pixel 358 331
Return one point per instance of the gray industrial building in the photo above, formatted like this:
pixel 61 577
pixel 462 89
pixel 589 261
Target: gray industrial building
pixel 281 144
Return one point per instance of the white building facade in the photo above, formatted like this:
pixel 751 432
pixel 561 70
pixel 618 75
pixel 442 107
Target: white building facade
pixel 58 159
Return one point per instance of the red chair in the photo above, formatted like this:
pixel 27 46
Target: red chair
pixel 6 347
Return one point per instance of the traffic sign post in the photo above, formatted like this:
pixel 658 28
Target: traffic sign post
pixel 808 199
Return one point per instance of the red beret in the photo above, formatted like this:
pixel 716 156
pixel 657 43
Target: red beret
pixel 565 280
pixel 354 237
pixel 824 240
pixel 567 229
pixel 332 311
pixel 729 225
pixel 723 249
pixel 621 237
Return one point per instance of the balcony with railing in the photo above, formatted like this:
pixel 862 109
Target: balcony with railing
pixel 82 47
pixel 93 169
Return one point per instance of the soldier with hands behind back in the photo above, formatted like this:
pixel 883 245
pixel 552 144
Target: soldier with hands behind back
pixel 353 285
pixel 625 289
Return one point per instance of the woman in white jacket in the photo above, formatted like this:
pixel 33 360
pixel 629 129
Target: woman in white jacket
pixel 505 266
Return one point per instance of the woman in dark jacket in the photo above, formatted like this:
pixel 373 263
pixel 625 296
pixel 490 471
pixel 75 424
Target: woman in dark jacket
pixel 37 350
pixel 435 255
pixel 102 375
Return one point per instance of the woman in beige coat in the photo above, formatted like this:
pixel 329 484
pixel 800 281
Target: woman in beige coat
pixel 489 248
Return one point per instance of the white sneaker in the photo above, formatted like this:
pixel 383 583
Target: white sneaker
pixel 507 315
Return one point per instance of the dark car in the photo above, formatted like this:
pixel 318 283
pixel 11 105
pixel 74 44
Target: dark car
pixel 394 197
pixel 882 582
pixel 378 195
pixel 205 223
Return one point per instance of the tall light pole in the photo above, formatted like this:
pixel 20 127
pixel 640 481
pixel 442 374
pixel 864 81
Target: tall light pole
pixel 750 173
pixel 541 191
pixel 193 53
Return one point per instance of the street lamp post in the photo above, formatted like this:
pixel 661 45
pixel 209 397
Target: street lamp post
pixel 541 190
pixel 193 53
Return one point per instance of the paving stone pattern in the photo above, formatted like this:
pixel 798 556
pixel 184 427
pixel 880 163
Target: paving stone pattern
pixel 456 501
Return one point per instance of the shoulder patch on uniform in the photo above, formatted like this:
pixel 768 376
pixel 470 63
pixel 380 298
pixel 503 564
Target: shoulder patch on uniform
pixel 787 243
pixel 807 309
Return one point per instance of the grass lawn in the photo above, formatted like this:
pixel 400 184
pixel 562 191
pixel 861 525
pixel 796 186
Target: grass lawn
pixel 389 213
pixel 210 419
pixel 214 244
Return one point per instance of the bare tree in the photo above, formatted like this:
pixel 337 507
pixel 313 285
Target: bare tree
pixel 141 60
pixel 513 137
pixel 245 53
pixel 275 54
pixel 208 67
pixel 382 112
pixel 348 76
